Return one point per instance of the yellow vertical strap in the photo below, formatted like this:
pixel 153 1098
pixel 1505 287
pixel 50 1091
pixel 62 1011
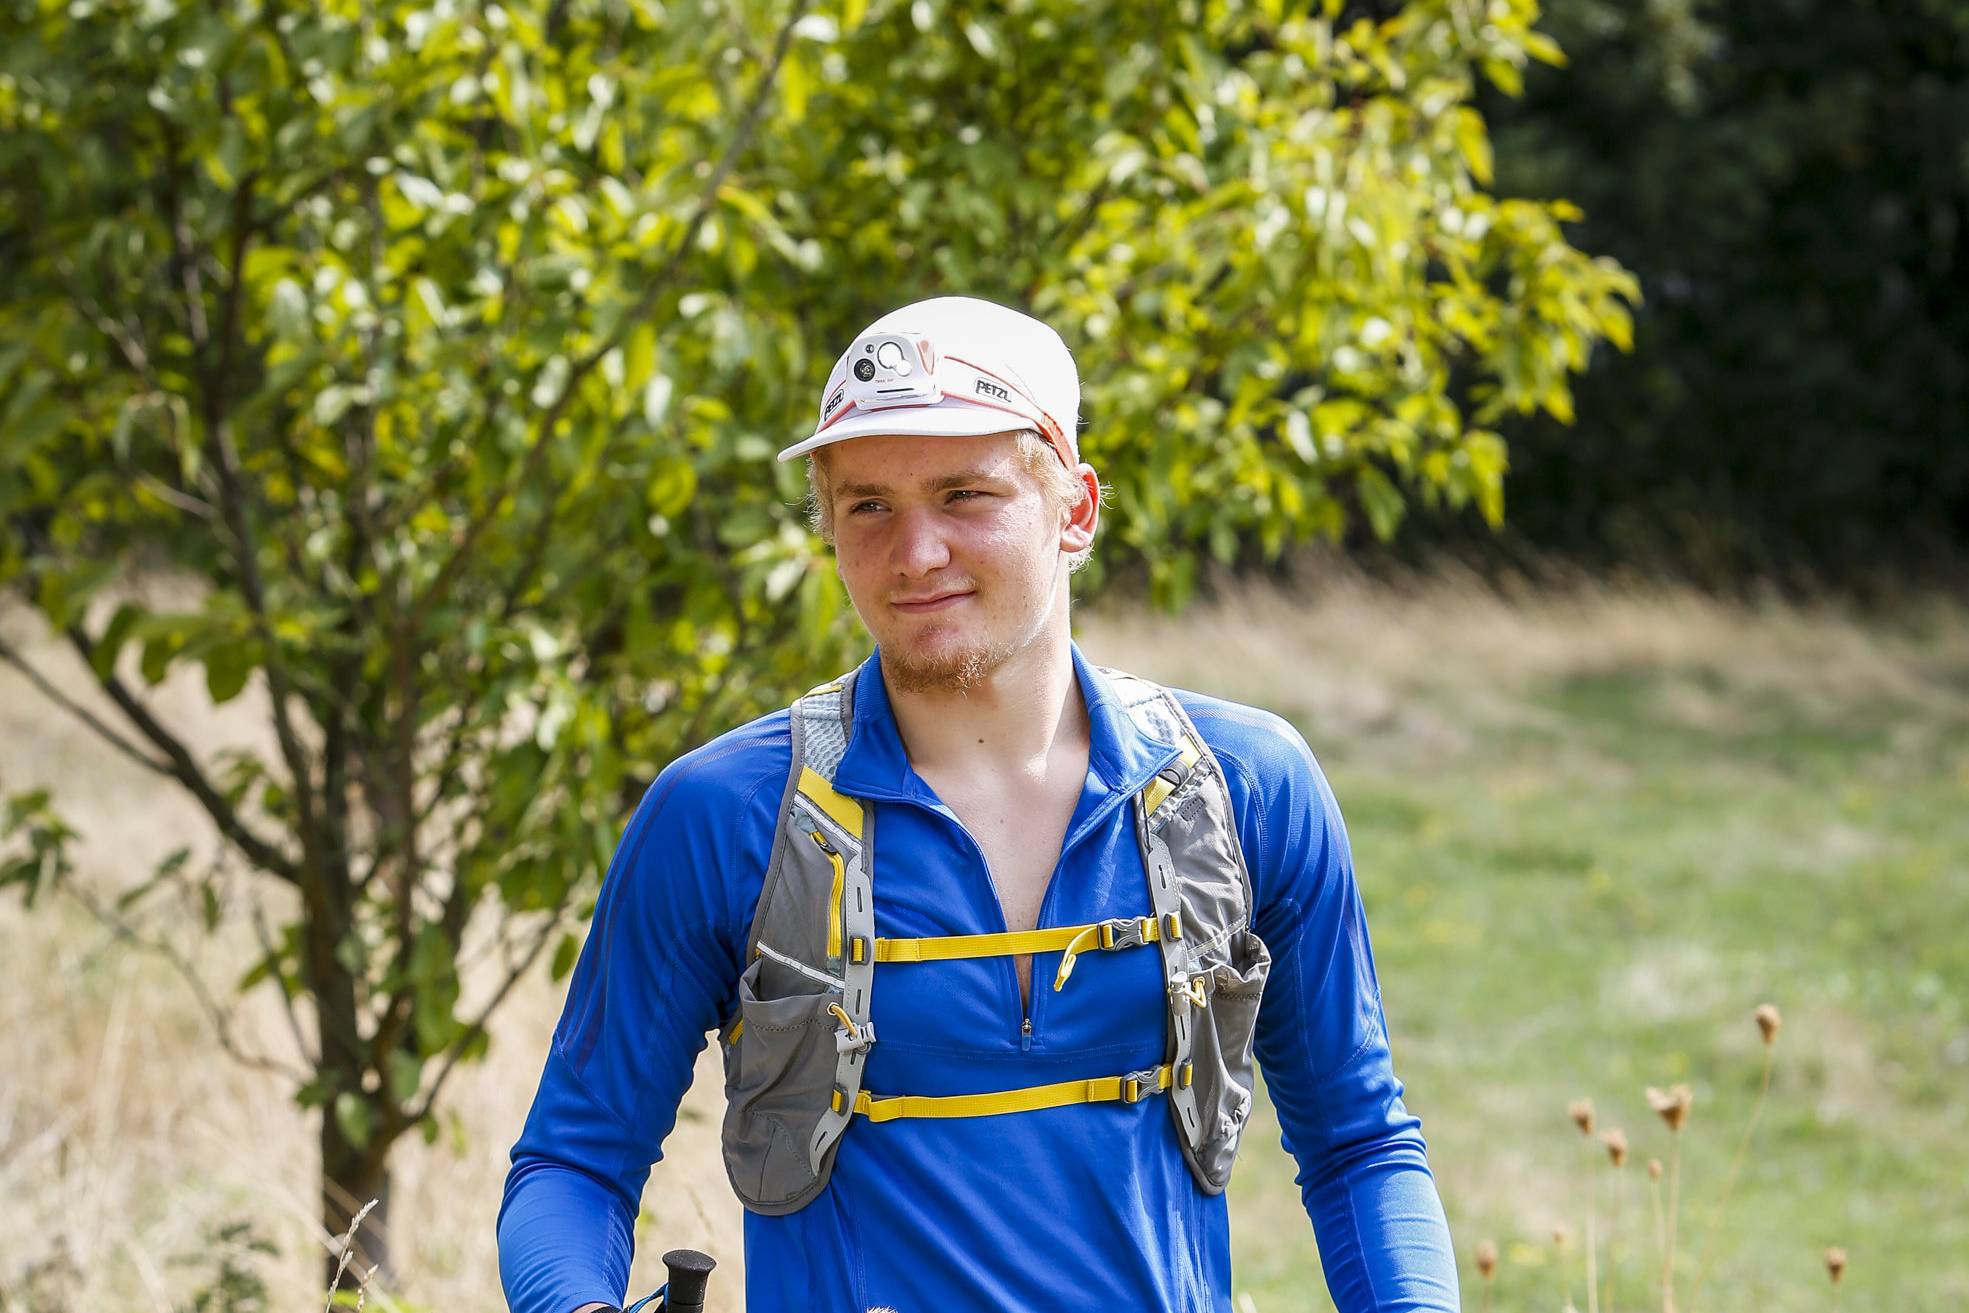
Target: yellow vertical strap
pixel 844 811
pixel 834 899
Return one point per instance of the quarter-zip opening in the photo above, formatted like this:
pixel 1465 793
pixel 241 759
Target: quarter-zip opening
pixel 1022 1008
pixel 1077 830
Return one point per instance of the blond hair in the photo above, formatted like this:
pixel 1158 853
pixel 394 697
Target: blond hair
pixel 1056 482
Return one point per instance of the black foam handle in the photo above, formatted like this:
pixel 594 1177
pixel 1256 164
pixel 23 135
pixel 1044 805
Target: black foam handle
pixel 689 1271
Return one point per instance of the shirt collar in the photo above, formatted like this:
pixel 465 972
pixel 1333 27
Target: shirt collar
pixel 876 765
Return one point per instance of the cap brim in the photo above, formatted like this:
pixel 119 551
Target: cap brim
pixel 949 418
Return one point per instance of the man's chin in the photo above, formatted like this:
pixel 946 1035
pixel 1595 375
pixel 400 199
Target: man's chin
pixel 938 667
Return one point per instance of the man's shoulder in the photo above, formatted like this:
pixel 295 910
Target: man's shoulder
pixel 1263 743
pixel 721 775
pixel 1280 794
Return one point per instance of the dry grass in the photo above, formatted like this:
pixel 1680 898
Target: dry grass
pixel 125 1139
pixel 1413 668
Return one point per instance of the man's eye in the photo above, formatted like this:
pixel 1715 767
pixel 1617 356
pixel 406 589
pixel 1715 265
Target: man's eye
pixel 857 507
pixel 966 492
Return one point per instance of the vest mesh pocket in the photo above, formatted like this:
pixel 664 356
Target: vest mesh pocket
pixel 1222 1051
pixel 771 1108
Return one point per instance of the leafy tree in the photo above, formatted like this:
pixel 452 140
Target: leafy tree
pixel 448 346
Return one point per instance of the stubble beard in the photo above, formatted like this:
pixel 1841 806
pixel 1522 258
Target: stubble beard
pixel 957 672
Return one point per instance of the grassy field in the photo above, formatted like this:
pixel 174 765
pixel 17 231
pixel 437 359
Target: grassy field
pixel 1594 829
pixel 1594 832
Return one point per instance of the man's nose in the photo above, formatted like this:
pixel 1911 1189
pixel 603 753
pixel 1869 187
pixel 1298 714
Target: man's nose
pixel 919 543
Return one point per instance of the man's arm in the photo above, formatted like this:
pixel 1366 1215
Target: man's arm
pixel 655 974
pixel 1322 1038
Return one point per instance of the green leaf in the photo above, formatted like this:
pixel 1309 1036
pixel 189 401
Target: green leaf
pixel 227 667
pixel 159 651
pixel 1380 501
pixel 672 484
pixel 796 83
pixel 406 1074
pixel 103 659
pixel 565 953
pixel 1473 142
pixel 354 1118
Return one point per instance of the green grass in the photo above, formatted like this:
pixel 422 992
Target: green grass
pixel 1589 895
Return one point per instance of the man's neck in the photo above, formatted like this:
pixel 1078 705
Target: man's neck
pixel 1013 722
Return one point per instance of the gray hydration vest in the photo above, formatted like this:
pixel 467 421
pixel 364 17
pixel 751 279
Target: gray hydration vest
pixel 795 1049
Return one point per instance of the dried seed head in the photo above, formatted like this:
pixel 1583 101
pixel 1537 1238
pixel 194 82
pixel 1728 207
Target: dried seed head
pixel 1560 1235
pixel 1582 1115
pixel 1486 1259
pixel 1672 1104
pixel 1616 1142
pixel 1654 1169
pixel 1768 1022
pixel 1835 1263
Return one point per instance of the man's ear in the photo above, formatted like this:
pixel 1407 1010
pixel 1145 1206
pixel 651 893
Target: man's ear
pixel 1084 515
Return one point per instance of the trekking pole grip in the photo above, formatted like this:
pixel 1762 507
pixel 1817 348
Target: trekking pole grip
pixel 689 1271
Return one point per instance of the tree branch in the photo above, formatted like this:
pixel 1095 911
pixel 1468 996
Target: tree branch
pixel 262 853
pixel 220 1019
pixel 232 495
pixel 82 713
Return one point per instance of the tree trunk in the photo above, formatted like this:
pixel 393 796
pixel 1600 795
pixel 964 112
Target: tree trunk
pixel 350 1178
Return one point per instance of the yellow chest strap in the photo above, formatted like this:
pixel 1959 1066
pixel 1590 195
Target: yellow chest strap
pixel 1106 936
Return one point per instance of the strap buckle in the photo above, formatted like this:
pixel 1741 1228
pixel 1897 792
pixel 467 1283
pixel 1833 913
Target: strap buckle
pixel 1139 1085
pixel 851 1038
pixel 1125 932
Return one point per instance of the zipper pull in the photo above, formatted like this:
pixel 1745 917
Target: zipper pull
pixel 1025 1036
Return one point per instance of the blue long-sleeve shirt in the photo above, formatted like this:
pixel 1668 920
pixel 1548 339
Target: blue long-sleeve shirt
pixel 1082 1209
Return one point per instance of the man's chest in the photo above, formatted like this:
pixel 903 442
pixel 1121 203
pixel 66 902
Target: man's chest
pixel 1019 838
pixel 934 877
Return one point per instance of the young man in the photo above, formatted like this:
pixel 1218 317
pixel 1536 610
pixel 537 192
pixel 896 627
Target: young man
pixel 988 1034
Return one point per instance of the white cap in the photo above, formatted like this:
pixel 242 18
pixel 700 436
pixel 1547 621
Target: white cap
pixel 958 367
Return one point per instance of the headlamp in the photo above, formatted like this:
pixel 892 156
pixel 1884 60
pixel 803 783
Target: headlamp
pixel 892 369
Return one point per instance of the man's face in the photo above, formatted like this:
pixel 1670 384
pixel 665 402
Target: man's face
pixel 951 551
